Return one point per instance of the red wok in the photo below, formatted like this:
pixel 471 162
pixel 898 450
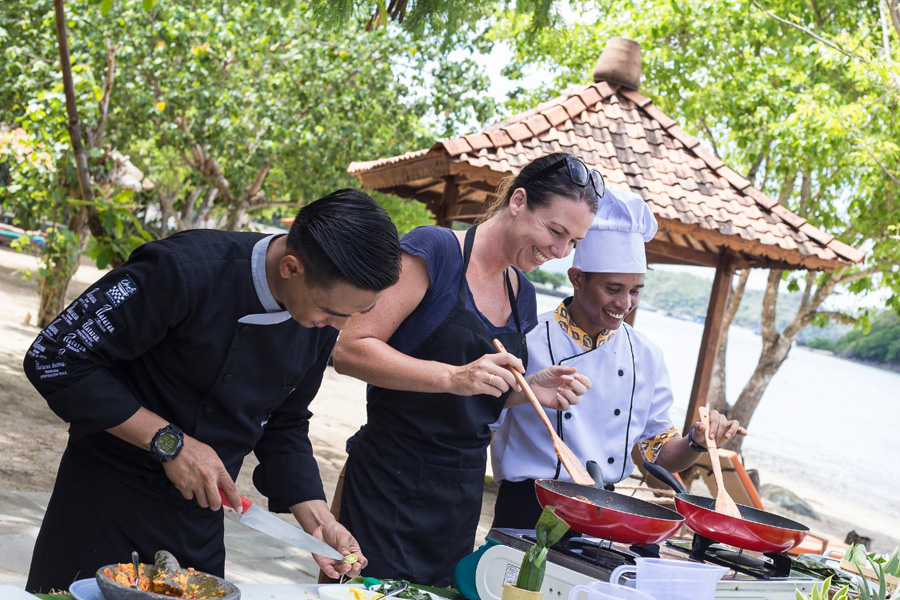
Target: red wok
pixel 607 515
pixel 756 529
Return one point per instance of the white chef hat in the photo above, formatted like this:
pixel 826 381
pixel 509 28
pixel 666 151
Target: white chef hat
pixel 615 241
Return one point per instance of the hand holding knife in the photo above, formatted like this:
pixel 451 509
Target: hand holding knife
pixel 262 520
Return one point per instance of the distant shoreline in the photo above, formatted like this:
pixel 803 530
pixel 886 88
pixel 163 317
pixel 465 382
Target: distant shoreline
pixel 869 363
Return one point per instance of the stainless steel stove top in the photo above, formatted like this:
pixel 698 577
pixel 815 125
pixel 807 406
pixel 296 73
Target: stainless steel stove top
pixel 581 558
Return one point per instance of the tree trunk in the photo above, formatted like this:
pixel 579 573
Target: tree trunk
pixel 717 388
pixel 62 258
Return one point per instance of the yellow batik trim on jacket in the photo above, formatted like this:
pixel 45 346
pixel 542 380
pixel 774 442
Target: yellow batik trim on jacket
pixel 577 333
pixel 651 447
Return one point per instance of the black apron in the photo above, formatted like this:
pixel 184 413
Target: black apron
pixel 415 475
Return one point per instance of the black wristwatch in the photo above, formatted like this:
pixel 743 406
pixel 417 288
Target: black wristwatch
pixel 167 443
pixel 694 445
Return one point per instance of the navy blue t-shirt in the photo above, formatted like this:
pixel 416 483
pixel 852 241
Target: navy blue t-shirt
pixel 440 249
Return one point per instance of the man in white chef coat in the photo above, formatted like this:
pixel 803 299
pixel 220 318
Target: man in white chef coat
pixel 631 395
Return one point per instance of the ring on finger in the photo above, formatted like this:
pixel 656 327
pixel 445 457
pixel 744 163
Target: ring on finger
pixel 491 379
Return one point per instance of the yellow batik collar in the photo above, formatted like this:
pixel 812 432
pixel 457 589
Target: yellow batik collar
pixel 577 333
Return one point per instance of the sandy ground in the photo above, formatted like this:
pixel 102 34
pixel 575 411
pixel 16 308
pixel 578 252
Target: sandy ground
pixel 32 437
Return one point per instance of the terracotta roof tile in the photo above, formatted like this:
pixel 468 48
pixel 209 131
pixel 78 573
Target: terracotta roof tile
pixel 792 219
pixel 760 198
pixel 518 132
pixel 635 97
pixel 556 114
pixel 604 89
pixel 457 146
pixel 590 96
pixel 538 124
pixel 574 106
pixel 500 138
pixel 478 141
pixel 683 136
pixel 733 178
pixel 817 234
pixel 664 120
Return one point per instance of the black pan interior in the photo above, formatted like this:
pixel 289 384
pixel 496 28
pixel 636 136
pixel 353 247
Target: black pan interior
pixel 748 513
pixel 610 500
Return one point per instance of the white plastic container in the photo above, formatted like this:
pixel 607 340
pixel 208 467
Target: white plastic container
pixel 672 579
pixel 601 590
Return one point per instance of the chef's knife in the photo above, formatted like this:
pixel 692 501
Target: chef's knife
pixel 262 520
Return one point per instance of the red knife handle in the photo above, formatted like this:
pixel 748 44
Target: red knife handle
pixel 245 504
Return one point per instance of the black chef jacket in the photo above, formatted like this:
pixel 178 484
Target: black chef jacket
pixel 188 329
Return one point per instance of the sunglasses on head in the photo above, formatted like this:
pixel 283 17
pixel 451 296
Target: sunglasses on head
pixel 578 173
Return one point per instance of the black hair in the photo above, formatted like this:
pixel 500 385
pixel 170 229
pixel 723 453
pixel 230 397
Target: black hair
pixel 556 183
pixel 346 237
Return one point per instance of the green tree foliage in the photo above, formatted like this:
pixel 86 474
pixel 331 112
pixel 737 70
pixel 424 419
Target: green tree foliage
pixel 880 344
pixel 802 98
pixel 228 109
pixel 548 278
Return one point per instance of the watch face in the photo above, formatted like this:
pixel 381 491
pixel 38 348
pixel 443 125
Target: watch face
pixel 167 443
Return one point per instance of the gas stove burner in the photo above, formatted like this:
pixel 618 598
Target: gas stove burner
pixel 739 558
pixel 706 550
pixel 595 550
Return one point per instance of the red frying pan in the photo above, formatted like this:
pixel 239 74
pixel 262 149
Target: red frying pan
pixel 756 529
pixel 600 513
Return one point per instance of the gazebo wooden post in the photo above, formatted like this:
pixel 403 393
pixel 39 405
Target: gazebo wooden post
pixel 712 335
pixel 449 198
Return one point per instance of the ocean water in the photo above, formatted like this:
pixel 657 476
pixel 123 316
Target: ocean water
pixel 826 428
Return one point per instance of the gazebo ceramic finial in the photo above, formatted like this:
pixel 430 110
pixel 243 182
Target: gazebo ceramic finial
pixel 620 63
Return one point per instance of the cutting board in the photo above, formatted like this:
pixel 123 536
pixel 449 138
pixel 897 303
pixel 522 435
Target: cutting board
pixel 11 592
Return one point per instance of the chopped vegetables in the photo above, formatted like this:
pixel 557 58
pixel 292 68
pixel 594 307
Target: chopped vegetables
pixel 410 593
pixel 351 559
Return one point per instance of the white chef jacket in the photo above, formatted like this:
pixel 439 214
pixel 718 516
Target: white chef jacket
pixel 628 402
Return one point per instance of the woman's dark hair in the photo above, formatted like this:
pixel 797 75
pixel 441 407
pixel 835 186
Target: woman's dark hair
pixel 346 237
pixel 556 183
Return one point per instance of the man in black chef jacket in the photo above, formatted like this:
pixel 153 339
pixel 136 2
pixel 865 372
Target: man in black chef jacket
pixel 170 369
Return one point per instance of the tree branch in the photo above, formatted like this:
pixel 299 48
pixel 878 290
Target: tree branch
pixel 709 134
pixel 810 33
pixel 95 137
pixel 894 11
pixel 838 316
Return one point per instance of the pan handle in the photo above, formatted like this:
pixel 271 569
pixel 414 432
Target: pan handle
pixel 664 476
pixel 593 468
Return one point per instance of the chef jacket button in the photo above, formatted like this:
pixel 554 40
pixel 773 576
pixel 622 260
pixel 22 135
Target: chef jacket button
pixel 208 409
pixel 227 378
pixel 610 460
pixel 621 372
pixel 617 412
pixel 568 415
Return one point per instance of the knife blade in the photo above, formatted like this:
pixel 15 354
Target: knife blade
pixel 263 521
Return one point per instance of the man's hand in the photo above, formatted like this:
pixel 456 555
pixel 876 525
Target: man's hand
pixel 721 429
pixel 558 387
pixel 336 535
pixel 198 473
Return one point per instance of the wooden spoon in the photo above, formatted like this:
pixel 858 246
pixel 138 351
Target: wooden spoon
pixel 724 503
pixel 566 456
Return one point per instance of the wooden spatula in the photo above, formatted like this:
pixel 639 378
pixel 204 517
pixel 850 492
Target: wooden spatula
pixel 566 456
pixel 724 503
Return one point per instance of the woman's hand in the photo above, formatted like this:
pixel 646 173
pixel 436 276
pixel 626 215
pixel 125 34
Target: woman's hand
pixel 558 387
pixel 488 375
pixel 721 429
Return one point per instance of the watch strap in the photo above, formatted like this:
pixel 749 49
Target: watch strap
pixel 158 453
pixel 694 445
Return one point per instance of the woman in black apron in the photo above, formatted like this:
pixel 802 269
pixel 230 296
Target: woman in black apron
pixel 414 479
